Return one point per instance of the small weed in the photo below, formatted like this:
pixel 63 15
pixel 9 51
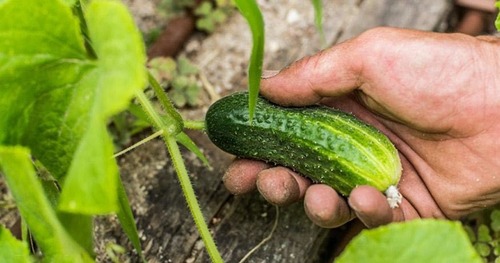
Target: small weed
pixel 126 124
pixel 171 8
pixel 113 251
pixel 209 16
pixel 179 78
pixel 484 232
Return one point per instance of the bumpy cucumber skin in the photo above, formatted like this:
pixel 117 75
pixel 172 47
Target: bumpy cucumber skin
pixel 326 145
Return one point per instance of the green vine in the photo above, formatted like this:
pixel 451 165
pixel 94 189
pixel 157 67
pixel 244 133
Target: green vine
pixel 170 128
pixel 191 200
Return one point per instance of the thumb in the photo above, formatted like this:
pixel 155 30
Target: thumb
pixel 332 72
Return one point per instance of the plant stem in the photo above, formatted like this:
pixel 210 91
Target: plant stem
pixel 171 127
pixel 194 125
pixel 164 100
pixel 189 194
pixel 139 143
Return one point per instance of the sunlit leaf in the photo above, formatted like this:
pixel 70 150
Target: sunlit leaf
pixel 60 94
pixel 11 249
pixel 119 74
pixel 81 229
pixel 34 207
pixel 60 98
pixel 429 241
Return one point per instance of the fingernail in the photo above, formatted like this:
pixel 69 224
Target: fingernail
pixel 352 205
pixel 269 73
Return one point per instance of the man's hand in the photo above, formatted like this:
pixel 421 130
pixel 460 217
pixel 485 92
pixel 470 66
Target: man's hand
pixel 436 96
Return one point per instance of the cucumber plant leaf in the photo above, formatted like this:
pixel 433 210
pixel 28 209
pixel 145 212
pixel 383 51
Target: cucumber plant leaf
pixel 186 141
pixel 414 241
pixel 127 221
pixel 52 238
pixel 119 75
pixel 250 10
pixel 80 228
pixel 12 249
pixel 59 97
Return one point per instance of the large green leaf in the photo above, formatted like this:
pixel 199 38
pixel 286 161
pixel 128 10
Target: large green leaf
pixel 416 241
pixel 59 98
pixel 34 207
pixel 79 226
pixel 11 249
pixel 120 74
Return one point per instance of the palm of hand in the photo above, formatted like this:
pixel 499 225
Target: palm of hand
pixel 443 121
pixel 434 95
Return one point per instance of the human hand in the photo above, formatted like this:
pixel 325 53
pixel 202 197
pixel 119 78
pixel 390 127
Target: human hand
pixel 436 96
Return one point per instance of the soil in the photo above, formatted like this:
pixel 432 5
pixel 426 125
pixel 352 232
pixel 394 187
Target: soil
pixel 239 223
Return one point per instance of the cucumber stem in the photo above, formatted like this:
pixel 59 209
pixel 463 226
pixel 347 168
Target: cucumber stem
pixel 194 125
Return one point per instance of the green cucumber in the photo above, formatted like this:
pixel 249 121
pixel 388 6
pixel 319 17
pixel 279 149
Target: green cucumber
pixel 327 145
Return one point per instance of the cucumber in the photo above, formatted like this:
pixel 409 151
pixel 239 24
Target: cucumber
pixel 327 145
